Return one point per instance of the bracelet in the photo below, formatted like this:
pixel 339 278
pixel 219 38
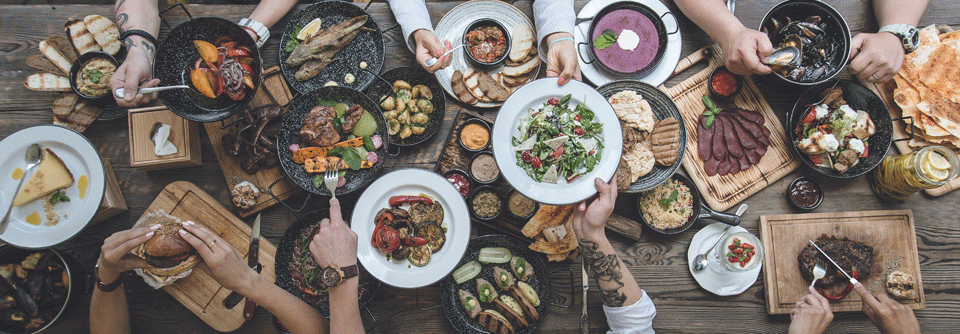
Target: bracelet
pixel 103 287
pixel 559 40
pixel 140 33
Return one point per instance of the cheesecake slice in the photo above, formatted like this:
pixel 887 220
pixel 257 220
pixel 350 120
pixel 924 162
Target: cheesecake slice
pixel 51 175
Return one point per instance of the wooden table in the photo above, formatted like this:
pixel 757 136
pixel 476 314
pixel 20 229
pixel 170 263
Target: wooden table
pixel 658 262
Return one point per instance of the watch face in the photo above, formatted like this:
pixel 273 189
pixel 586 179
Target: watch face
pixel 330 276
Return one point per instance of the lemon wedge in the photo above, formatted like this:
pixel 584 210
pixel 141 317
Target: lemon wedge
pixel 309 29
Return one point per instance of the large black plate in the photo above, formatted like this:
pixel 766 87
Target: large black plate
pixel 289 133
pixel 859 98
pixel 663 107
pixel 367 46
pixel 175 60
pixel 285 255
pixel 414 76
pixel 450 300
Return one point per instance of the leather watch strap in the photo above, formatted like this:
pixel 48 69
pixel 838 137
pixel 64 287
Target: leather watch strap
pixel 104 287
pixel 350 271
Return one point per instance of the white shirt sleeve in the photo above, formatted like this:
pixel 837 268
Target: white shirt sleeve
pixel 632 319
pixel 552 16
pixel 412 16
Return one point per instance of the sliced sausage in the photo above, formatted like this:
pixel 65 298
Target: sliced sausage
pixel 761 149
pixel 745 161
pixel 751 127
pixel 724 167
pixel 734 164
pixel 710 166
pixel 753 116
pixel 753 157
pixel 719 147
pixel 730 137
pixel 747 140
pixel 704 140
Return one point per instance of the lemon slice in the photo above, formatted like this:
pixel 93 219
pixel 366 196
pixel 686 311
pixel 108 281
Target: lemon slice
pixel 938 161
pixel 934 174
pixel 309 29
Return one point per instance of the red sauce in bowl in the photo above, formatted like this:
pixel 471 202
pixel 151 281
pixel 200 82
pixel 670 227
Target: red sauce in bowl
pixel 724 83
pixel 460 182
pixel 487 43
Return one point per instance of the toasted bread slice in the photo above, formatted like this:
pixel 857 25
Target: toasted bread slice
pixel 546 216
pixel 46 82
pixel 460 89
pixel 105 33
pixel 516 81
pixel 521 43
pixel 82 116
pixel 491 87
pixel 54 56
pixel 528 310
pixel 529 66
pixel 63 45
pixel 82 39
pixel 495 323
pixel 42 63
pixel 472 79
pixel 515 316
pixel 63 105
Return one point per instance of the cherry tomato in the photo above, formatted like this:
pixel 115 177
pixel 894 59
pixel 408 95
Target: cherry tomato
pixel 536 162
pixel 578 130
pixel 811 115
pixel 866 150
pixel 553 102
pixel 592 151
pixel 815 158
pixel 577 118
pixel 525 156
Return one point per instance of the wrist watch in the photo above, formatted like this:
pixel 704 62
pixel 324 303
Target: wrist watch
pixel 332 275
pixel 261 30
pixel 907 33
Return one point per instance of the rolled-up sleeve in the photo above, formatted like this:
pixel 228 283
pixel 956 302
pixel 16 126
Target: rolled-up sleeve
pixel 552 16
pixel 412 16
pixel 632 319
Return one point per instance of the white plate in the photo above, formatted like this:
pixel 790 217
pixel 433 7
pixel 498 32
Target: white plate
pixel 722 285
pixel 411 181
pixel 80 157
pixel 599 76
pixel 533 95
pixel 454 25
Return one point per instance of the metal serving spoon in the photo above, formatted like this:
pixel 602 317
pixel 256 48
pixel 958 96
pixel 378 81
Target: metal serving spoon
pixel 33 159
pixel 432 61
pixel 700 261
pixel 119 92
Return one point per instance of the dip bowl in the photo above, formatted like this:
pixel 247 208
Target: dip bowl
pixel 476 63
pixel 480 123
pixel 651 33
pixel 482 189
pixel 700 210
pixel 714 76
pixel 75 73
pixel 816 187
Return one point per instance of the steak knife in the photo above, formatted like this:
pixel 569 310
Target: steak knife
pixel 852 280
pixel 253 261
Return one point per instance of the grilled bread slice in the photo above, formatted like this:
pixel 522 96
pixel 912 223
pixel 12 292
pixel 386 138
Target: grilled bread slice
pixel 529 66
pixel 63 45
pixel 81 117
pixel 46 82
pixel 521 43
pixel 460 88
pixel 491 87
pixel 511 310
pixel 528 309
pixel 54 56
pixel 42 63
pixel 495 322
pixel 472 79
pixel 82 39
pixel 63 105
pixel 104 32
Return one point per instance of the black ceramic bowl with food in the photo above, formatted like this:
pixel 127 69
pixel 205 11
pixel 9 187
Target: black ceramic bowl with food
pixel 289 133
pixel 380 89
pixel 480 64
pixel 62 285
pixel 609 63
pixel 176 58
pixel 482 124
pixel 516 216
pixel 466 177
pixel 835 28
pixel 794 190
pixel 484 189
pixel 715 73
pixel 474 175
pixel 82 61
pixel 859 98
pixel 700 210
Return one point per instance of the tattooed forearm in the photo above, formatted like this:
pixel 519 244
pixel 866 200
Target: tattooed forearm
pixel 122 21
pixel 606 270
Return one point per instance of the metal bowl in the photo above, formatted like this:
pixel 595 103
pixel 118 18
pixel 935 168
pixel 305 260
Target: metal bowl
pixel 415 76
pixel 837 28
pixel 57 310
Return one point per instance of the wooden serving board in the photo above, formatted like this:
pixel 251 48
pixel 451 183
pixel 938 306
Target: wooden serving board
pixel 199 292
pixel 890 233
pixel 230 165
pixel 723 192
pixel 455 157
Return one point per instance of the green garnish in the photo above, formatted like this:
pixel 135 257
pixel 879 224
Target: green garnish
pixel 605 40
pixel 349 155
pixel 94 75
pixel 58 197
pixel 293 41
pixel 328 101
pixel 318 181
pixel 665 202
pixel 710 113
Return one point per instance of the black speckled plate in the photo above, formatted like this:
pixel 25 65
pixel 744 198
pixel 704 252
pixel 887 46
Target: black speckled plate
pixel 289 133
pixel 175 60
pixel 663 107
pixel 450 299
pixel 859 98
pixel 414 76
pixel 284 257
pixel 367 46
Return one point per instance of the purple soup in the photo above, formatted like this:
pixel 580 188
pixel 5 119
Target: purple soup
pixel 626 61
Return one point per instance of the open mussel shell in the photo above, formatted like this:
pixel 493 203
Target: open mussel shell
pixel 784 59
pixel 38 300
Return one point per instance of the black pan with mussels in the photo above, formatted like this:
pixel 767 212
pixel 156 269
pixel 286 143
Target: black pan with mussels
pixel 34 288
pixel 817 30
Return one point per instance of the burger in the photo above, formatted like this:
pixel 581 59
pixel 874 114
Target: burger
pixel 167 253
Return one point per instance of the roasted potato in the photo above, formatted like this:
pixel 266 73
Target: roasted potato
pixel 401 85
pixel 405 132
pixel 425 92
pixel 401 106
pixel 418 91
pixel 388 103
pixel 420 118
pixel 424 105
pixel 392 114
pixel 412 106
pixel 416 129
pixel 404 117
pixel 393 127
pixel 403 95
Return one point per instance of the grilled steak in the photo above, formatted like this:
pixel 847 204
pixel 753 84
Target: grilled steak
pixel 849 254
pixel 318 127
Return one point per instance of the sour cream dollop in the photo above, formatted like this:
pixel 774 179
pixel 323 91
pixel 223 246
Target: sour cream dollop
pixel 830 142
pixel 856 145
pixel 628 40
pixel 849 112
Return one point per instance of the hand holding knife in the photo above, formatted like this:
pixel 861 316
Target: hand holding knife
pixel 253 261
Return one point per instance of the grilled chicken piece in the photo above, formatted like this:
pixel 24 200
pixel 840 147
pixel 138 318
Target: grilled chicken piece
pixel 318 127
pixel 350 118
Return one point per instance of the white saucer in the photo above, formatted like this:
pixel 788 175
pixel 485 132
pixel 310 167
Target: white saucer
pixel 599 76
pixel 722 285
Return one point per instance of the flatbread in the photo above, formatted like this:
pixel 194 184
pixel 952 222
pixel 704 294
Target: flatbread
pixel 945 112
pixel 641 161
pixel 546 216
pixel 527 67
pixel 633 109
pixel 943 75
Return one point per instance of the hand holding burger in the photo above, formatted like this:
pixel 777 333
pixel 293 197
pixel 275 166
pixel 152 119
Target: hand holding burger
pixel 115 257
pixel 226 265
pixel 166 252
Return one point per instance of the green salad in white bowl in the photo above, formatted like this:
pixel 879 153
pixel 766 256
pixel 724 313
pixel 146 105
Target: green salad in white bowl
pixel 557 143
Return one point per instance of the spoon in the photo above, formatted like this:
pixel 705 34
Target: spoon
pixel 700 261
pixel 119 92
pixel 432 61
pixel 33 158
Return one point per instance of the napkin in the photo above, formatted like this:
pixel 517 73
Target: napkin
pixel 161 144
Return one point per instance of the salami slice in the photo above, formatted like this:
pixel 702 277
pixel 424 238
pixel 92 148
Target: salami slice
pixel 724 167
pixel 734 164
pixel 719 147
pixel 730 137
pixel 753 157
pixel 747 139
pixel 704 140
pixel 753 116
pixel 745 161
pixel 710 166
pixel 750 126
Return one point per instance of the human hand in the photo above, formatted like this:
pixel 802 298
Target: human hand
pixel 562 58
pixel 335 243
pixel 876 57
pixel 744 49
pixel 134 73
pixel 225 264
pixel 115 256
pixel 887 314
pixel 811 315
pixel 429 46
pixel 589 220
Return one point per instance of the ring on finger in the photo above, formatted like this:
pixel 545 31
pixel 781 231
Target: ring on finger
pixel 875 76
pixel 212 244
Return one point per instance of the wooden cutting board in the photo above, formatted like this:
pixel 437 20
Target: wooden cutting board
pixel 230 165
pixel 723 192
pixel 890 233
pixel 199 292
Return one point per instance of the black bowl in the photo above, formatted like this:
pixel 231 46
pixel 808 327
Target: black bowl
pixel 81 61
pixel 474 177
pixel 485 188
pixel 700 210
pixel 714 92
pixel 415 76
pixel 816 185
pixel 837 29
pixel 466 49
pixel 175 60
pixel 466 176
pixel 482 123
pixel 521 218
pixel 661 35
pixel 859 98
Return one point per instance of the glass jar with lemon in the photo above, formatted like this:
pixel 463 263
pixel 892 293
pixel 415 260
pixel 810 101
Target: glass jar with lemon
pixel 898 177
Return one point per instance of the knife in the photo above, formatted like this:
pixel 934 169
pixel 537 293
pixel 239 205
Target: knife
pixel 584 321
pixel 252 260
pixel 852 280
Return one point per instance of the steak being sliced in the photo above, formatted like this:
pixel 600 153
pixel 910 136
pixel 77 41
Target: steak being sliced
pixel 847 253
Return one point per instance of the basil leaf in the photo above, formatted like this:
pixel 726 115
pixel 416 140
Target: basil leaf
pixel 293 41
pixel 564 100
pixel 318 181
pixel 349 155
pixel 328 101
pixel 708 122
pixel 58 197
pixel 605 40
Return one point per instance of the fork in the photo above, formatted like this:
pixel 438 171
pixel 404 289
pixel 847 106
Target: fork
pixel 331 176
pixel 818 271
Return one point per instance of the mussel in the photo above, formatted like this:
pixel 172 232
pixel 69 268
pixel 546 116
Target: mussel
pixel 7 301
pixel 817 49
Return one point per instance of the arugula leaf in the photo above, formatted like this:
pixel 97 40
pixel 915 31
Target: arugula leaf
pixel 563 101
pixel 58 197
pixel 328 101
pixel 605 40
pixel 665 202
pixel 293 41
pixel 318 181
pixel 350 156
